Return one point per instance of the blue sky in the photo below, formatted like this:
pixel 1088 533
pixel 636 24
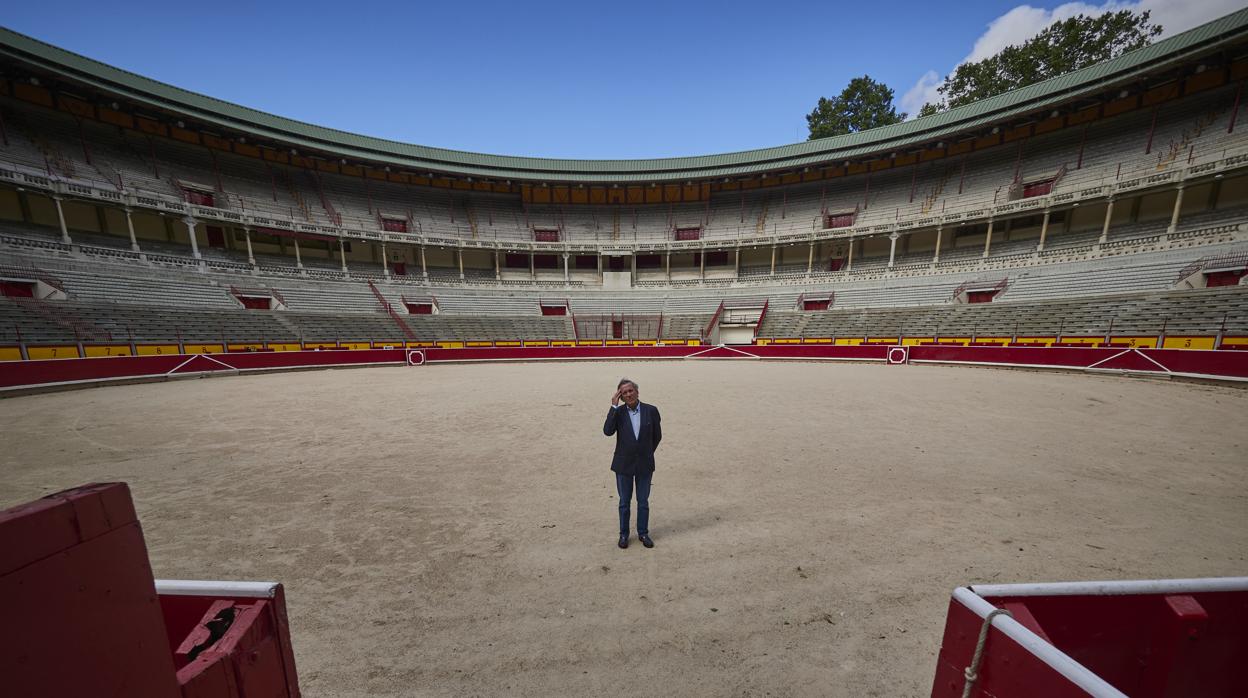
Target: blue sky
pixel 555 79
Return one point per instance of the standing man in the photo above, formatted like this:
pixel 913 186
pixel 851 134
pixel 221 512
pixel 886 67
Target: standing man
pixel 637 434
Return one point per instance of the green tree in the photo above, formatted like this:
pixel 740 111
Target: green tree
pixel 1063 47
pixel 863 104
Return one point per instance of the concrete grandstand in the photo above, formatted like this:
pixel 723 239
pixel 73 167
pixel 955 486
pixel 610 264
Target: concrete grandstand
pixel 1092 209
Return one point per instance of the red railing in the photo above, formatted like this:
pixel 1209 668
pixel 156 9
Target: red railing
pixel 389 308
pixel 1233 260
pixel 81 330
pixel 325 202
pixel 714 319
pixel 981 285
pixel 762 316
pixel 32 273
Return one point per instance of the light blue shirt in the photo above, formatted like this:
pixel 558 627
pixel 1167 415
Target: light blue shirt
pixel 634 416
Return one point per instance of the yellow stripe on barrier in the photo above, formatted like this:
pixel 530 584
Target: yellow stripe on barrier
pixel 506 344
pixel 451 345
pixel 1136 342
pixel 420 345
pixel 480 344
pixel 284 346
pixel 562 343
pixel 1188 343
pixel 848 341
pixel 204 348
pixel 915 341
pixel 245 347
pixel 57 352
pixel 107 350
pixel 817 340
pixel 155 349
pixel 10 354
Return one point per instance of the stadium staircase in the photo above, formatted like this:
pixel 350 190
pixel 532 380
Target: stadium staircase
pixel 83 330
pixel 319 187
pixel 389 308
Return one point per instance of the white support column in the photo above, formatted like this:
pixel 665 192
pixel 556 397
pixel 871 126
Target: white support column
pixel 667 266
pixel 298 255
pixel 892 249
pixel 60 216
pixel 810 259
pixel 1109 212
pixel 988 238
pixel 385 261
pixel 189 222
pixel 342 254
pixel 134 242
pixel 424 268
pixel 459 254
pixel 566 276
pixel 251 256
pixel 849 264
pixel 702 264
pixel 940 229
pixel 773 260
pixel 532 266
pixel 498 274
pixel 1174 217
pixel 600 268
pixel 1044 231
pixel 736 265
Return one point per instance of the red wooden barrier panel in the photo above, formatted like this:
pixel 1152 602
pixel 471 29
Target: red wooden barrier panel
pixel 83 616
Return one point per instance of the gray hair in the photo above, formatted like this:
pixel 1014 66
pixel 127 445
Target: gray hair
pixel 626 380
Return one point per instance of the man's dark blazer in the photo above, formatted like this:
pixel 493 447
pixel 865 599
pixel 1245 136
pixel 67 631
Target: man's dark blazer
pixel 632 454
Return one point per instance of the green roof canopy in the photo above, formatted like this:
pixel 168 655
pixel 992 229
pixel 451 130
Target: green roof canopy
pixel 1087 83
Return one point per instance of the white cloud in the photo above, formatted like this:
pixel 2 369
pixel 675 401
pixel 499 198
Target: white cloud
pixel 1023 22
pixel 924 91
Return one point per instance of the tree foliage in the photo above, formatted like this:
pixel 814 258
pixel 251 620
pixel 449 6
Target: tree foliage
pixel 1063 47
pixel 863 104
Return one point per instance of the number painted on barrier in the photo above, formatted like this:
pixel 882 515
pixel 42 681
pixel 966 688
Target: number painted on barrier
pixel 1187 343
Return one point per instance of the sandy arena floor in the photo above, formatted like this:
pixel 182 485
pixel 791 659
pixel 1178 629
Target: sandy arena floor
pixel 451 530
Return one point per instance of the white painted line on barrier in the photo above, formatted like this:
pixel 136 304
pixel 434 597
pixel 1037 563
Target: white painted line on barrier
pixel 1111 358
pixel 746 354
pixel 1158 363
pixel 197 356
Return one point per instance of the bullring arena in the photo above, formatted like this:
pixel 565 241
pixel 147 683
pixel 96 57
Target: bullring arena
pixel 908 378
pixel 450 529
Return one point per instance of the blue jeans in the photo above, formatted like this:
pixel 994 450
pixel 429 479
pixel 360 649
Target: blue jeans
pixel 624 486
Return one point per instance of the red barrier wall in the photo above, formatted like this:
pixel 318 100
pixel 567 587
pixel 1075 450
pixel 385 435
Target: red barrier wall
pixel 78 601
pixel 1187 362
pixel 54 371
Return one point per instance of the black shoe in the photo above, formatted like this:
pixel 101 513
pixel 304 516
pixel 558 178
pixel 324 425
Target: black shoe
pixel 624 540
pixel 645 540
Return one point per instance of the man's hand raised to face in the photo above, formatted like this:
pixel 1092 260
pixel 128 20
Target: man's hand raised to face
pixel 615 399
